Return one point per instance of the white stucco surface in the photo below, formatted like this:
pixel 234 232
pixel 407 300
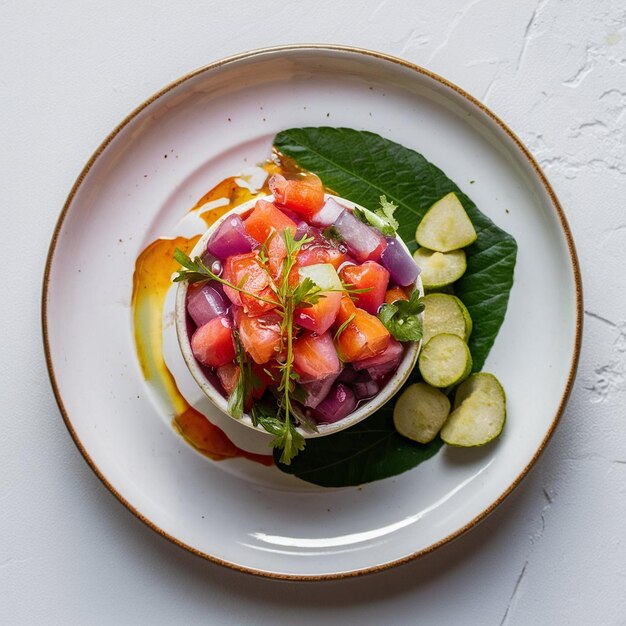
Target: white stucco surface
pixel 554 552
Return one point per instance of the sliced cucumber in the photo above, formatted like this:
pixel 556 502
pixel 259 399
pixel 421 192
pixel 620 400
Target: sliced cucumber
pixel 445 360
pixel 420 412
pixel 440 268
pixel 479 412
pixel 445 314
pixel 445 226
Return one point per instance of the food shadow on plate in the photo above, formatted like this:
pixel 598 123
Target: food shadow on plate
pixel 458 456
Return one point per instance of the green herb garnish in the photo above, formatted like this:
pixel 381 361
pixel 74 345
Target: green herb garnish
pixel 381 219
pixel 401 318
pixel 306 293
pixel 343 326
pixel 286 437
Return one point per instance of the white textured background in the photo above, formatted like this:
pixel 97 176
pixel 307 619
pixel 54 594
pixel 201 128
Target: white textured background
pixel 554 552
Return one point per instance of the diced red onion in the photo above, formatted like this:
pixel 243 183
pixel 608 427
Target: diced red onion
pixel 294 217
pixel 328 214
pixel 348 374
pixel 302 230
pixel 325 363
pixel 384 363
pixel 231 238
pixel 400 265
pixel 317 390
pixel 339 403
pixel 365 389
pixel 363 242
pixel 206 304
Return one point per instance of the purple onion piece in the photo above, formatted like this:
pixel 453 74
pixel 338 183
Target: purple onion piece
pixel 206 304
pixel 347 374
pixel 400 265
pixel 317 390
pixel 363 242
pixel 339 403
pixel 365 389
pixel 328 214
pixel 381 365
pixel 231 238
pixel 302 230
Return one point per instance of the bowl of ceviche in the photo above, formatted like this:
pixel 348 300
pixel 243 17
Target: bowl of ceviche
pixel 288 316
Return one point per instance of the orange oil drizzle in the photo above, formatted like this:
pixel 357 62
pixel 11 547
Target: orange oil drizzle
pixel 152 280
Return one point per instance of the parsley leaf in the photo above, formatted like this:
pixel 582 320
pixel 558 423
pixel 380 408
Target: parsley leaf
pixel 306 294
pixel 382 218
pixel 285 434
pixel 195 270
pixel 401 318
pixel 387 209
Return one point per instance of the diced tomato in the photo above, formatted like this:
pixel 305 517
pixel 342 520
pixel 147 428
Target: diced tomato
pixel 315 252
pixel 257 282
pixel 315 357
pixel 277 253
pixel 229 376
pixel 304 197
pixel 260 336
pixel 212 344
pixel 319 317
pixel 397 293
pixel 265 218
pixel 370 276
pixel 364 337
pixel 346 309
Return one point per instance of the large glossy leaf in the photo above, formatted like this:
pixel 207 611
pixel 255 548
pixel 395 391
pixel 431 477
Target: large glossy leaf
pixel 362 166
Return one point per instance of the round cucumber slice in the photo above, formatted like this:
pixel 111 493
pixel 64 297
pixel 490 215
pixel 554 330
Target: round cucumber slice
pixel 479 412
pixel 440 268
pixel 445 360
pixel 446 226
pixel 420 412
pixel 444 313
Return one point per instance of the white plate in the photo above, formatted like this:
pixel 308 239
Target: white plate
pixel 211 124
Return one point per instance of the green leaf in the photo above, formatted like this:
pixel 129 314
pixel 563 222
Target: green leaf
pixel 369 451
pixel 362 167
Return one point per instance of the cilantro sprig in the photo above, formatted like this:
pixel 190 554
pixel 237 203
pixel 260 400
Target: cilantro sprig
pixel 279 421
pixel 401 318
pixel 382 218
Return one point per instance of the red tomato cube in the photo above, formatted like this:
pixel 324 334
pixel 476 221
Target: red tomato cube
pixel 320 316
pixel 229 376
pixel 317 252
pixel 267 218
pixel 257 282
pixel 260 336
pixel 212 344
pixel 370 276
pixel 304 197
pixel 364 337
pixel 315 357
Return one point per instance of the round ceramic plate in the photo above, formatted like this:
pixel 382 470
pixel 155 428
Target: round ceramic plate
pixel 146 175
